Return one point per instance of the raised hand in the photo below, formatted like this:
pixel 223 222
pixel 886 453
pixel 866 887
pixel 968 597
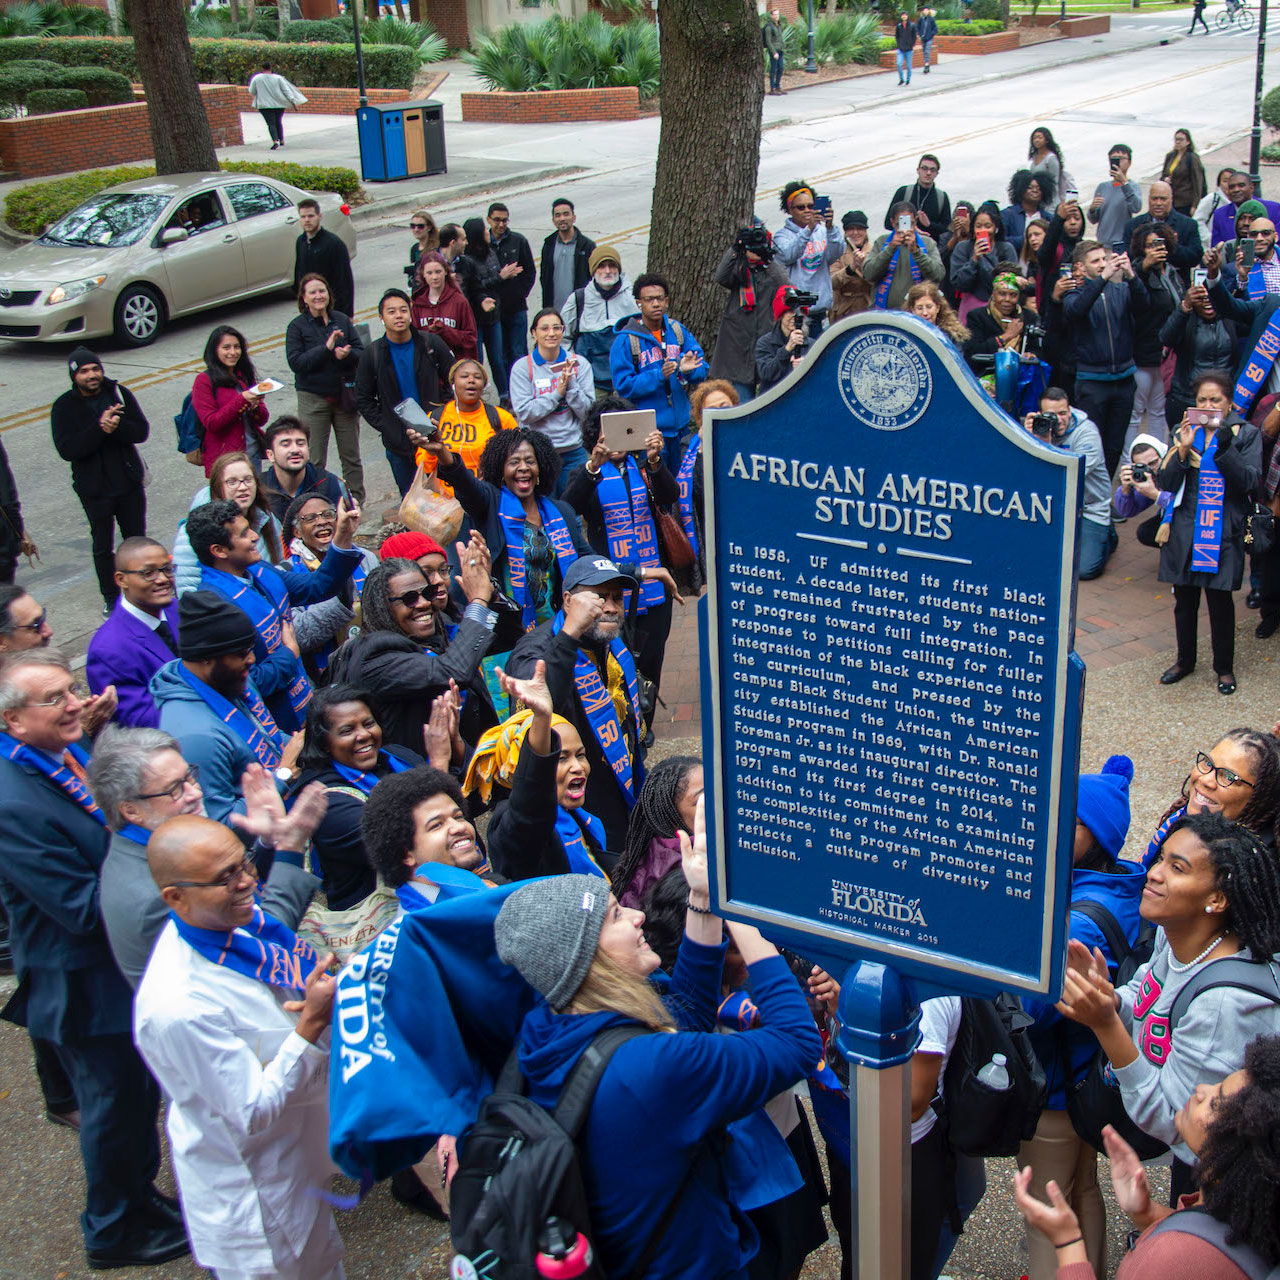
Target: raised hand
pixel 346 524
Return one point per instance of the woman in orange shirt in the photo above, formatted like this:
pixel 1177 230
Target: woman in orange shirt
pixel 467 422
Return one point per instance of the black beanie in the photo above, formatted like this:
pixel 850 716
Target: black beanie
pixel 210 627
pixel 80 357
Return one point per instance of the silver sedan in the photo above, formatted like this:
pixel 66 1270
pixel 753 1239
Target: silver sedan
pixel 134 256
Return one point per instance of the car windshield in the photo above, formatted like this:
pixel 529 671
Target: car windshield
pixel 107 220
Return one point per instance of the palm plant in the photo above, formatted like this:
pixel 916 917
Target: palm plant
pixel 421 36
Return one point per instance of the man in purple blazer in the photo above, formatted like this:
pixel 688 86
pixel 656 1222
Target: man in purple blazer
pixel 141 633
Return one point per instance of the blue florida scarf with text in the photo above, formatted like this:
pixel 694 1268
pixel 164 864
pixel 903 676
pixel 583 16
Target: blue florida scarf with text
pixel 602 715
pixel 20 753
pixel 257 729
pixel 684 479
pixel 1257 368
pixel 266 601
pixel 303 561
pixel 1206 538
pixel 263 949
pixel 511 513
pixel 628 523
pixel 882 289
pixel 575 844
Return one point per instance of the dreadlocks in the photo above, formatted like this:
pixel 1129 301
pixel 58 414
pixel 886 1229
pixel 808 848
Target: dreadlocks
pixel 1246 872
pixel 1240 1160
pixel 375 596
pixel 656 816
pixel 502 444
pixel 1262 814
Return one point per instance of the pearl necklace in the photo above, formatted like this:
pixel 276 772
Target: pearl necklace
pixel 1191 964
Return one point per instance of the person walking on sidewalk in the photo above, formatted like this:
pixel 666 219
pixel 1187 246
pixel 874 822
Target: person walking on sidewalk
pixel 272 96
pixel 927 29
pixel 904 36
pixel 771 34
pixel 1198 16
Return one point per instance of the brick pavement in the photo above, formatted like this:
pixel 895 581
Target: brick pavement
pixel 1124 615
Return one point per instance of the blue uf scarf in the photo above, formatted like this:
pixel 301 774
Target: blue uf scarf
pixel 575 845
pixel 267 607
pixel 257 730
pixel 1153 849
pixel 1206 540
pixel 450 882
pixel 685 480
pixel 511 514
pixel 307 564
pixel 367 781
pixel 602 716
pixel 882 289
pixel 628 523
pixel 20 753
pixel 1258 366
pixel 263 949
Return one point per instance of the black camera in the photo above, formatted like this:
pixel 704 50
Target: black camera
pixel 1140 472
pixel 755 240
pixel 799 300
pixel 1033 335
pixel 1043 425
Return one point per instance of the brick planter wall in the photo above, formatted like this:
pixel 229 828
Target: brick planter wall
pixel 336 102
pixel 1090 25
pixel 68 141
pixel 551 106
pixel 1000 42
pixel 889 57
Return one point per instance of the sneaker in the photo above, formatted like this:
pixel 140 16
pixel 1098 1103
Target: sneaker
pixel 274 145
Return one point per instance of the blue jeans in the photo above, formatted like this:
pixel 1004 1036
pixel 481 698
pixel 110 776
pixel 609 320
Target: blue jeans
pixel 402 470
pixel 775 70
pixel 971 1186
pixel 903 60
pixel 1097 542
pixel 673 451
pixel 489 343
pixel 925 46
pixel 744 392
pixel 570 461
pixel 514 336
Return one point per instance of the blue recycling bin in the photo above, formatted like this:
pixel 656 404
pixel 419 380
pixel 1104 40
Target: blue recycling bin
pixel 401 140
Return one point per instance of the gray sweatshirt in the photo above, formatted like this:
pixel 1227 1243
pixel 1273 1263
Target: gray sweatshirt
pixel 1206 1048
pixel 1119 204
pixel 1082 439
pixel 536 404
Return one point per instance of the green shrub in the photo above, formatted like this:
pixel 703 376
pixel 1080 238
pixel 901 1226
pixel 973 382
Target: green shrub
pixel 51 18
pixel 990 10
pixel 19 80
pixel 849 38
pixel 1271 108
pixel 419 36
pixel 978 27
pixel 42 101
pixel 233 61
pixel 326 31
pixel 587 53
pixel 103 88
pixel 32 208
pixel 1271 152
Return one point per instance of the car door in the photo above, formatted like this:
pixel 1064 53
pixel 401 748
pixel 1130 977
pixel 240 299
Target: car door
pixel 208 265
pixel 268 225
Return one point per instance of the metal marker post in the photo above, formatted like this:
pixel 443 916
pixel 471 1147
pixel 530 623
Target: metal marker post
pixel 811 66
pixel 1255 142
pixel 879 1030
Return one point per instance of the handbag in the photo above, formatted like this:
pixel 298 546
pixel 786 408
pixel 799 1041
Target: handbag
pixel 673 543
pixel 346 932
pixel 1260 532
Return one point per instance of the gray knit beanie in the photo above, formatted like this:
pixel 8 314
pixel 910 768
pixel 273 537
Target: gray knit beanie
pixel 548 930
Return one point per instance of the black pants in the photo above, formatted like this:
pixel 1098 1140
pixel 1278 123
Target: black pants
pixel 1222 626
pixel 1268 568
pixel 8 568
pixel 59 1096
pixel 1198 16
pixel 274 116
pixel 129 512
pixel 1110 405
pixel 651 630
pixel 1182 1181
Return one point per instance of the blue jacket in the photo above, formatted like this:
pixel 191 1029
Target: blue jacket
pixel 1121 894
pixel 68 984
pixel 659 1097
pixel 221 754
pixel 1099 316
pixel 640 378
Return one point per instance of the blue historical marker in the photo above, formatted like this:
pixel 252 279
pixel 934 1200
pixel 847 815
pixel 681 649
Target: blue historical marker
pixel 891 704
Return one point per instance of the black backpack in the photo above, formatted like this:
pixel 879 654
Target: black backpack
pixel 982 1121
pixel 518 1167
pixel 1095 1101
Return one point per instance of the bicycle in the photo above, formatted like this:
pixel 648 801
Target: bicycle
pixel 1235 13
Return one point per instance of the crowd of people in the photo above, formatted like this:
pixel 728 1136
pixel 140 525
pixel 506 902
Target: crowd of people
pixel 291 746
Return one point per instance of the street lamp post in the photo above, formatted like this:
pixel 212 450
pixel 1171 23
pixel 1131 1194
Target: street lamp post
pixel 1255 142
pixel 355 22
pixel 811 66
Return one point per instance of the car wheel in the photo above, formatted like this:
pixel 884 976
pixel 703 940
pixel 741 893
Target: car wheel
pixel 139 316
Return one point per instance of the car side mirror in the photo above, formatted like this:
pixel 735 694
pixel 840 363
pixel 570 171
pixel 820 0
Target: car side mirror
pixel 173 235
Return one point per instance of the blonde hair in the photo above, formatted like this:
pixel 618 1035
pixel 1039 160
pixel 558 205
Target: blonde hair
pixel 609 988
pixel 947 319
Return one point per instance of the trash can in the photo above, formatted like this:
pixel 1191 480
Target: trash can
pixel 401 140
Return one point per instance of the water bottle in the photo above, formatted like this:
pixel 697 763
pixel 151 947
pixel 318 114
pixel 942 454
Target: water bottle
pixel 563 1251
pixel 995 1075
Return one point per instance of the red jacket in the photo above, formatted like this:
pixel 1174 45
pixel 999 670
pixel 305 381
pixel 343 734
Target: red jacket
pixel 222 413
pixel 458 321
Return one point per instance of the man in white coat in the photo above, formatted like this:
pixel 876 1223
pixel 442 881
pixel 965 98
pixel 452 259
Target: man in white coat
pixel 232 1016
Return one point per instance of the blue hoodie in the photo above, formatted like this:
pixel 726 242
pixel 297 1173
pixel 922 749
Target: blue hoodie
pixel 1121 893
pixel 660 1096
pixel 640 379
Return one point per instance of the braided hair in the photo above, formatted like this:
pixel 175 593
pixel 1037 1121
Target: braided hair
pixel 502 444
pixel 656 815
pixel 1247 873
pixel 1240 1160
pixel 1262 814
pixel 375 596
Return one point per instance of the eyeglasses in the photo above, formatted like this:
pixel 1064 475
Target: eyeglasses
pixel 224 881
pixel 37 625
pixel 153 571
pixel 174 792
pixel 441 574
pixel 927 168
pixel 1225 777
pixel 76 691
pixel 327 514
pixel 239 482
pixel 410 598
pixel 653 297
pixel 1263 235
pixel 551 326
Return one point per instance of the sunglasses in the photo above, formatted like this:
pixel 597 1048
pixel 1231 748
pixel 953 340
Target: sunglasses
pixel 417 226
pixel 410 599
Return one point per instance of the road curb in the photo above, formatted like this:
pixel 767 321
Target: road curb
pixel 403 202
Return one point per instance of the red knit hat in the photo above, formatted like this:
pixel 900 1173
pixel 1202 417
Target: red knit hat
pixel 409 546
pixel 780 303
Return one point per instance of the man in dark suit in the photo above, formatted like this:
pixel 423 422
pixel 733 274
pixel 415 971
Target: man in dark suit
pixel 566 256
pixel 70 991
pixel 141 634
pixel 1160 209
pixel 324 253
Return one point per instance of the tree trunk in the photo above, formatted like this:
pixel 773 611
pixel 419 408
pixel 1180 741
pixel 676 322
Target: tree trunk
pixel 180 132
pixel 235 11
pixel 708 149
